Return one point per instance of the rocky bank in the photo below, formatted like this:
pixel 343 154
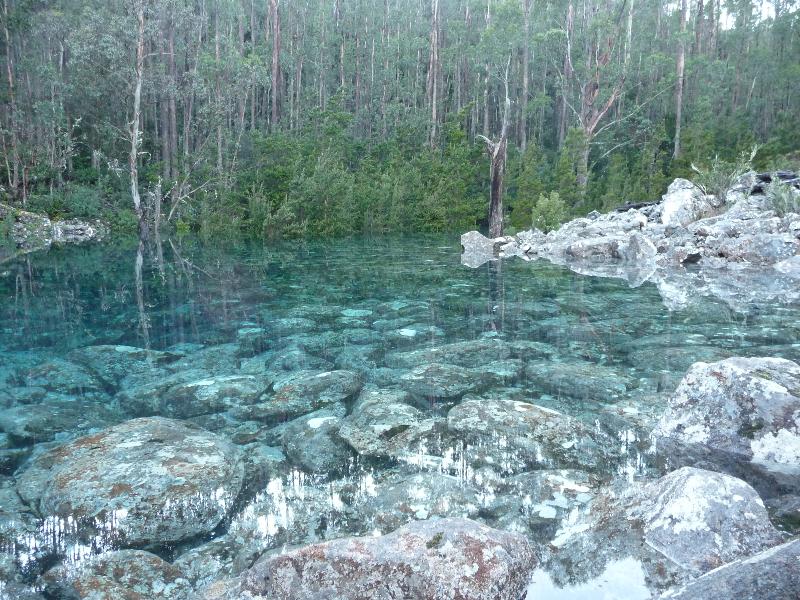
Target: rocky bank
pixel 741 247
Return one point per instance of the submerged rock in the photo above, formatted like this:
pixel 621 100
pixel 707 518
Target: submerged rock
pixel 114 363
pixel 442 381
pixel 43 422
pixel 470 353
pixel 145 481
pixel 191 394
pixel 303 392
pixel 404 498
pixel 128 574
pixel 382 424
pixel 65 377
pixel 438 559
pixel 536 437
pixel 312 441
pixel 581 380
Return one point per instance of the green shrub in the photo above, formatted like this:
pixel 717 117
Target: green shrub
pixel 549 212
pixel 722 175
pixel 783 198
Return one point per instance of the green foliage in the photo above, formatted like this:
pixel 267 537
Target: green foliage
pixel 783 198
pixel 720 175
pixel 549 212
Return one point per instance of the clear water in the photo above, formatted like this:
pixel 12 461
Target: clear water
pixel 353 305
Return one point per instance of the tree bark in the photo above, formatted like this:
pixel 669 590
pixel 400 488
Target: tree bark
pixel 276 51
pixel 679 84
pixel 526 57
pixel 133 156
pixel 433 72
pixel 497 165
pixel 14 169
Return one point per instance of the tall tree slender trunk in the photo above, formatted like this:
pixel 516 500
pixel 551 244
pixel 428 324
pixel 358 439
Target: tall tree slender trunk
pixel 133 156
pixel 433 72
pixel 567 79
pixel 526 57
pixel 276 52
pixel 14 168
pixel 679 84
pixel 497 165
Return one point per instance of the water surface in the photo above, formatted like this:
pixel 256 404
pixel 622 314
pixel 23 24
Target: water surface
pixel 592 349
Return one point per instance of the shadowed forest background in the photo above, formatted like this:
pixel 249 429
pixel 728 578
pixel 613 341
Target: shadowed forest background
pixel 295 117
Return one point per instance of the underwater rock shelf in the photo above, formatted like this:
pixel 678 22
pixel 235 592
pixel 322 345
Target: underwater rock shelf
pixel 309 424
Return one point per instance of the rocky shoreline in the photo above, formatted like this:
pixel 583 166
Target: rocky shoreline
pixel 30 231
pixel 739 248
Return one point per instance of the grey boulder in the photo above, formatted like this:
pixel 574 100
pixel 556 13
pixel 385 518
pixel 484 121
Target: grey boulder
pixel 145 481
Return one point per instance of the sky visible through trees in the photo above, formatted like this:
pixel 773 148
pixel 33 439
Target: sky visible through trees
pixel 292 117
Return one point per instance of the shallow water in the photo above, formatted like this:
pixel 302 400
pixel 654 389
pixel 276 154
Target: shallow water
pixel 592 349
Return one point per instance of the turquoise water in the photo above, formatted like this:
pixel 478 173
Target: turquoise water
pixel 402 320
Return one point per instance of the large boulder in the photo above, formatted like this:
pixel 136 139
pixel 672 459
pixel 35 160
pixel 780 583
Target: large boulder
pixel 579 379
pixel 438 559
pixel 684 203
pixel 302 392
pixel 312 441
pixel 772 573
pixel 382 424
pixel 507 431
pixel 680 526
pixel 747 408
pixel 122 574
pixel 145 481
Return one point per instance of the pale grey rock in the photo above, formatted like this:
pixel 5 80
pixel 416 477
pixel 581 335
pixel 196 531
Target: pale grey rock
pixel 677 527
pixel 772 573
pixel 145 481
pixel 745 407
pixel 437 559
pixel 684 203
pixel 535 436
pixel 128 574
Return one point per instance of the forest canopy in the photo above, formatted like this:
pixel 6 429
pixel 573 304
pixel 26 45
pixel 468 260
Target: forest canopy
pixel 293 117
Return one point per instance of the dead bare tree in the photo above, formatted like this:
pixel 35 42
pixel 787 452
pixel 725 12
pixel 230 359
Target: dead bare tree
pixel 134 133
pixel 497 165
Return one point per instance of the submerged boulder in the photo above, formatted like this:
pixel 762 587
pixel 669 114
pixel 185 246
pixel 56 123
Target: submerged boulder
pixel 145 481
pixel 312 441
pixel 128 574
pixel 303 392
pixel 382 424
pixel 437 559
pixel 535 436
